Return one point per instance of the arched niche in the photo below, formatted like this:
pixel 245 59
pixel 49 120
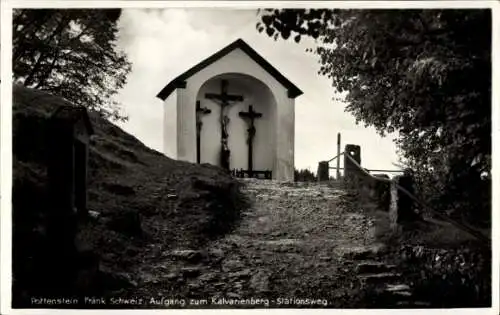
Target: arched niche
pixel 261 98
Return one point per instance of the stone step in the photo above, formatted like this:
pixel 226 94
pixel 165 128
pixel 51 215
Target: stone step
pixel 357 253
pixel 190 272
pixel 185 254
pixel 413 304
pixel 378 278
pixel 400 291
pixel 367 267
pixel 259 281
pixel 405 294
pixel 397 287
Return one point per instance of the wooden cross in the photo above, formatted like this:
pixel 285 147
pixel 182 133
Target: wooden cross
pixel 251 115
pixel 199 112
pixel 224 99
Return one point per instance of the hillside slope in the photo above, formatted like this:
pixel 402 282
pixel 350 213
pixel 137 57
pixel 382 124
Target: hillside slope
pixel 145 200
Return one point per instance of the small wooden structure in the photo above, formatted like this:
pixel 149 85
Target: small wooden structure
pixel 69 132
pixel 69 136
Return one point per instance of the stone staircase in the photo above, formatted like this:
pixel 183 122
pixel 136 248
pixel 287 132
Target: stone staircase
pixel 386 286
pixel 295 240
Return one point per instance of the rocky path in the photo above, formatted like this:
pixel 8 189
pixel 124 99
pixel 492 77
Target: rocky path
pixel 296 246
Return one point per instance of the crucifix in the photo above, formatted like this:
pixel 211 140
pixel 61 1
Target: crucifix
pixel 199 112
pixel 224 99
pixel 251 115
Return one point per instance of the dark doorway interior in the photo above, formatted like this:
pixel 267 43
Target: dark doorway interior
pixel 80 172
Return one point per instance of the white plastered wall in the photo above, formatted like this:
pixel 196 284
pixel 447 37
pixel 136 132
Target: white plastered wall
pixel 170 126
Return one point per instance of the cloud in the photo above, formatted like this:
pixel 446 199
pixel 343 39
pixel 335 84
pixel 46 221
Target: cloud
pixel 163 43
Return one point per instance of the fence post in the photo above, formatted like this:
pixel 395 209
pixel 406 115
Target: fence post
pixel 382 192
pixel 338 157
pixel 323 171
pixel 402 208
pixel 352 173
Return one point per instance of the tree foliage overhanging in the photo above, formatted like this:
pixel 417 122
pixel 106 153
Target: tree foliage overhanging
pixel 71 53
pixel 423 73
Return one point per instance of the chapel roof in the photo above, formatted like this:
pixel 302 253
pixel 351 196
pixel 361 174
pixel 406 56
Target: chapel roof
pixel 180 81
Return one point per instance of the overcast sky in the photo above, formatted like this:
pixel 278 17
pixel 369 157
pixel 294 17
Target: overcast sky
pixel 163 43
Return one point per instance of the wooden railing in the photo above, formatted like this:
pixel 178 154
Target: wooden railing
pixel 461 226
pixel 471 231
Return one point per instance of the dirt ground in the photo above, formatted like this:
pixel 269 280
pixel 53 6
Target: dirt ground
pixel 296 246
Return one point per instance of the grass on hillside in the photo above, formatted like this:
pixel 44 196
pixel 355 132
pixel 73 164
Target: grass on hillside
pixel 145 200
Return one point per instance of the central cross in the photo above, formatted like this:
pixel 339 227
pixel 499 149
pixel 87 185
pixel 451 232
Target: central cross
pixel 250 115
pixel 224 100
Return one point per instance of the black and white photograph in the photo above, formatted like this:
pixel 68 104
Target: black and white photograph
pixel 234 156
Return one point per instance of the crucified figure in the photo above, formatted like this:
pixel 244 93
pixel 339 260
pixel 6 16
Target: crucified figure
pixel 224 99
pixel 251 115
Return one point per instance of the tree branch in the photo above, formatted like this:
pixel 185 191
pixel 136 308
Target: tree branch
pixel 58 31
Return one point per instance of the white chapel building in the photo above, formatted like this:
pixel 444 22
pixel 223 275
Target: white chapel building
pixel 235 110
